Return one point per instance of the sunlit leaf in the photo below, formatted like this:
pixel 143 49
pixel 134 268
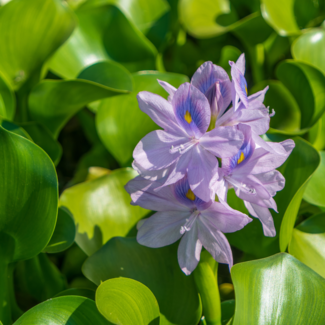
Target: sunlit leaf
pixel 7 101
pixel 30 33
pixel 127 301
pixel 277 290
pixel 101 209
pixel 158 269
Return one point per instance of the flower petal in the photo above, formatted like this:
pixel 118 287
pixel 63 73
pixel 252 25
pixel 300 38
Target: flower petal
pixel 224 141
pixel 216 243
pixel 192 110
pixel 169 88
pixel 161 229
pixel 273 181
pixel 151 175
pixel 265 217
pixel 143 193
pixel 153 151
pixel 189 250
pixel 200 171
pixel 239 84
pixel 240 63
pixel 159 110
pixel 223 218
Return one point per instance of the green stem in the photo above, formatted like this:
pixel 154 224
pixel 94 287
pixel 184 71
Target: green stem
pixel 206 283
pixel 5 303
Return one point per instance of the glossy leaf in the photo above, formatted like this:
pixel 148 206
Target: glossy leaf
pixel 39 278
pixel 31 32
pixel 87 293
pixel 278 290
pixel 98 220
pixel 28 213
pixel 158 269
pixel 314 192
pixel 64 311
pixel 141 13
pixel 64 233
pixel 310 48
pixel 200 19
pixel 227 311
pixel 307 85
pixel 307 243
pixel 126 301
pixel 280 15
pixel 12 127
pixel 44 139
pixel 54 102
pixel 120 122
pixel 7 101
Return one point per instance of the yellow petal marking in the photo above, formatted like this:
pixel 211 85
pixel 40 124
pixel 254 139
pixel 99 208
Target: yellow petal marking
pixel 241 158
pixel 246 90
pixel 190 195
pixel 188 117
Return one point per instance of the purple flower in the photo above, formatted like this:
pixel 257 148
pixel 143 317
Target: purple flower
pixel 181 214
pixel 251 172
pixel 184 147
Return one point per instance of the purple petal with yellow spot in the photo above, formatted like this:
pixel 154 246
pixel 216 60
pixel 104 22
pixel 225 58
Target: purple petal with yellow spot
pixel 192 110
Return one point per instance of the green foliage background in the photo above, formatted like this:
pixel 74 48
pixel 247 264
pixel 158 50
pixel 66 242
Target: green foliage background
pixel 69 75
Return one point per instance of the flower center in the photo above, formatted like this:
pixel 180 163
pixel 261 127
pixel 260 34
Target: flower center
pixel 188 117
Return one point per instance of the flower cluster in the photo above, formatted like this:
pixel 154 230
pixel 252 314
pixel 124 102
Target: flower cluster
pixel 204 149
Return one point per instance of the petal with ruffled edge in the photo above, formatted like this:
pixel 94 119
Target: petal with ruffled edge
pixel 215 242
pixel 201 169
pixel 264 215
pixel 189 250
pixel 162 228
pixel 169 88
pixel 222 141
pixel 143 193
pixel 192 110
pixel 273 181
pixel 160 111
pixel 154 150
pixel 222 217
pixel 219 186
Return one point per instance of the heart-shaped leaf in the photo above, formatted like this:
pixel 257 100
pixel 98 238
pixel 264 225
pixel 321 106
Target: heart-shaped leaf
pixel 64 232
pixel 126 301
pixel 120 122
pixel 98 220
pixel 31 31
pixel 158 269
pixel 278 290
pixel 307 243
pixel 64 311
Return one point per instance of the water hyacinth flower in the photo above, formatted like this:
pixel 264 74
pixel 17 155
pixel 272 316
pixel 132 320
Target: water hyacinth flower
pixel 181 214
pixel 251 172
pixel 184 147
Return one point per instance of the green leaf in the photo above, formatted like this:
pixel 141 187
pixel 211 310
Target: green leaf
pixel 101 209
pixel 141 13
pixel 64 311
pixel 120 122
pixel 126 301
pixel 297 170
pixel 314 192
pixel 158 269
pixel 7 101
pixel 227 311
pixel 87 293
pixel 199 19
pixel 31 32
pixel 54 102
pixel 40 278
pixel 44 139
pixel 278 290
pixel 307 243
pixel 64 233
pixel 278 97
pixel 307 85
pixel 280 15
pixel 309 48
pixel 12 127
pixel 28 213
